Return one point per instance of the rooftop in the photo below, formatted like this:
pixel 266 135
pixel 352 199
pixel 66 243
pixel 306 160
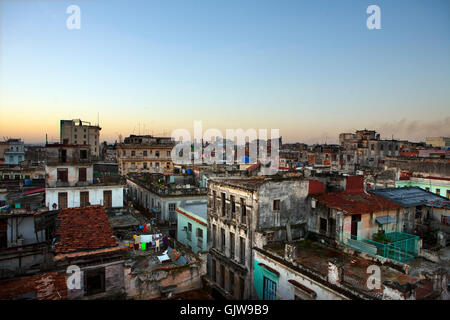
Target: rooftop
pixel 355 203
pixel 198 209
pixel 413 196
pixel 315 256
pixel 84 231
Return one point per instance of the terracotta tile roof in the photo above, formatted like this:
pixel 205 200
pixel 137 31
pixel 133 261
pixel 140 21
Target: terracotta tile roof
pixel 355 203
pixel 83 229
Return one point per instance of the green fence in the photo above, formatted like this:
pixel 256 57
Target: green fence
pixel 399 246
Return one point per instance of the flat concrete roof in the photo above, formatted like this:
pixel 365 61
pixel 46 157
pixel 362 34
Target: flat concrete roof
pixel 199 209
pixel 412 196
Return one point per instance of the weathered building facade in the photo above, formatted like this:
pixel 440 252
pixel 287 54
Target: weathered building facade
pixel 243 213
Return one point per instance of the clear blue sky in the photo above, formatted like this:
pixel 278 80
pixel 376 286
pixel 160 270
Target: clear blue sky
pixel 309 68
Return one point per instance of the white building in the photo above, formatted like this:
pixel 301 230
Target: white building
pixel 16 152
pixel 70 180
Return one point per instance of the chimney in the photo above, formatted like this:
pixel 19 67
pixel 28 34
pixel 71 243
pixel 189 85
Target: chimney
pixel 335 272
pixel 354 184
pixel 315 187
pixel 290 252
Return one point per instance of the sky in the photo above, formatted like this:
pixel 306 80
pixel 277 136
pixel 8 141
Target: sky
pixel 311 69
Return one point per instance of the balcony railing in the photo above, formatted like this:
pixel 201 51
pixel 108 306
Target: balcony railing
pixel 398 246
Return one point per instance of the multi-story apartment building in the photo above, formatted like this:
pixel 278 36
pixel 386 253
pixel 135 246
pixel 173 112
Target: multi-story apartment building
pixel 144 154
pixel 16 151
pixel 246 213
pixel 81 132
pixel 365 148
pixel 70 182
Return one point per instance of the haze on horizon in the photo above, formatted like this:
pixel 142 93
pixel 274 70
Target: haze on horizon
pixel 309 68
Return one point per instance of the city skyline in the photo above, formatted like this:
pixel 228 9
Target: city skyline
pixel 310 69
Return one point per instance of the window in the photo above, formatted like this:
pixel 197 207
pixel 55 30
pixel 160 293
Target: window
pixel 241 288
pixel 84 199
pixel 63 155
pixel 189 231
pixel 233 206
pixel 172 213
pixel 62 200
pixel 323 225
pixel 242 247
pixel 231 278
pixel 448 194
pixel 269 289
pixel 214 236
pixel 213 270
pixel 95 281
pixel 157 154
pixel 168 153
pixel 145 153
pixel 107 198
pixel 222 237
pixel 243 211
pixel 83 154
pixel 223 203
pixel 222 276
pixel 427 189
pixel 133 153
pixel 62 174
pixel 199 238
pixel 214 201
pixel 438 191
pixel 82 174
pixel 144 165
pixel 231 245
pixel 3 233
pixel 124 153
pixel 276 205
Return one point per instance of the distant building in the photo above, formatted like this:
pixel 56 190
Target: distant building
pixel 437 185
pixel 365 148
pixel 192 226
pixel 81 132
pixel 15 153
pixel 144 154
pixel 438 141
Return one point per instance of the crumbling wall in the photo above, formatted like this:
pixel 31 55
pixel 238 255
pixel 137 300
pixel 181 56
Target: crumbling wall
pixel 293 206
pixel 45 286
pixel 147 285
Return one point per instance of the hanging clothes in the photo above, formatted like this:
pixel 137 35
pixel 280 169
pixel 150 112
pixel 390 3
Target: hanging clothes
pixel 146 238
